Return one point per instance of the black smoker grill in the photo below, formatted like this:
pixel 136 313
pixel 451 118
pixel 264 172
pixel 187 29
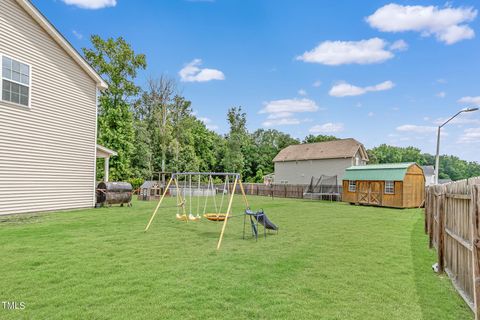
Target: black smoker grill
pixel 109 193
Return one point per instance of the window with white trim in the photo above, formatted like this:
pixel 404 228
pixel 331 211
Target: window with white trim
pixel 15 82
pixel 352 186
pixel 389 187
pixel 357 160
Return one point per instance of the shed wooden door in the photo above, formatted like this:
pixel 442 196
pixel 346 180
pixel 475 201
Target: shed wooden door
pixel 363 191
pixel 375 193
pixel 370 192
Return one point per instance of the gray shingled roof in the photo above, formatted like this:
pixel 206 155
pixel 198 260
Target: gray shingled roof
pixel 428 170
pixel 337 149
pixel 148 184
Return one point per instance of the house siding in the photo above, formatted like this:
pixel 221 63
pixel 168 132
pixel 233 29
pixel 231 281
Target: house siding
pixel 47 152
pixel 301 172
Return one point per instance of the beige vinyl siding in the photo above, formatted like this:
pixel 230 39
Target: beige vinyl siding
pixel 301 172
pixel 47 152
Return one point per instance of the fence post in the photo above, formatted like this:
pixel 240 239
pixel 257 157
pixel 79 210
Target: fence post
pixel 441 229
pixel 431 217
pixel 426 209
pixel 475 213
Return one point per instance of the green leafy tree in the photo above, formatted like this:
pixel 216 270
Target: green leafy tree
pixel 117 63
pixel 319 138
pixel 385 154
pixel 154 109
pixel 142 159
pixel 451 167
pixel 181 149
pixel 234 160
pixel 263 146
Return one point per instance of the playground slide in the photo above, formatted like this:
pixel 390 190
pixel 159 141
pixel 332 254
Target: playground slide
pixel 263 220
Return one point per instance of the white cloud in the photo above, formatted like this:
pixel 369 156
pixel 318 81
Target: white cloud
pixel 282 112
pixel 471 135
pixel 371 114
pixel 317 84
pixel 344 89
pixel 290 106
pixel 470 100
pixel 327 128
pixel 91 4
pixel 448 24
pixel 77 34
pixel 280 115
pixel 336 53
pixel 302 92
pixel 441 81
pixel 416 129
pixel 281 122
pixel 208 123
pixel 399 45
pixel 193 73
pixel 441 94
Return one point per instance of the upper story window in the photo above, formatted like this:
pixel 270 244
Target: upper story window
pixel 15 83
pixel 389 187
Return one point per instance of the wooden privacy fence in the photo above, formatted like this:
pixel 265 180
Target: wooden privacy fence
pixel 452 215
pixel 295 191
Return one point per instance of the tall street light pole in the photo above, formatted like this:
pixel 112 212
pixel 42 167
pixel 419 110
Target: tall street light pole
pixel 437 156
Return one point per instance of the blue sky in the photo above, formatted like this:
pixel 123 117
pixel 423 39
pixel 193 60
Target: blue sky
pixel 378 71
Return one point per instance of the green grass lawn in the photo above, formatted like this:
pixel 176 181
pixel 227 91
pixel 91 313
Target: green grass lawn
pixel 329 261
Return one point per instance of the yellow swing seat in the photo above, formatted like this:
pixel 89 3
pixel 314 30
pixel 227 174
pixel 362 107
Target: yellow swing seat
pixel 182 217
pixel 191 217
pixel 215 216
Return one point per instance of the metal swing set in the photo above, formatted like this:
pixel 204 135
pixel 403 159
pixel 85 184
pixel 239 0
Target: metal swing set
pixel 189 191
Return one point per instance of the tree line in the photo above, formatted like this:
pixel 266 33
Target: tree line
pixel 154 129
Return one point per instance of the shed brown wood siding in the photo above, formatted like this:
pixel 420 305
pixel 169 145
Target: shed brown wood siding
pixel 47 153
pixel 409 193
pixel 413 187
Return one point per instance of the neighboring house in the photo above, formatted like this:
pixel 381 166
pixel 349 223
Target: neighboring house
pixel 429 172
pixel 297 164
pixel 400 185
pixel 268 179
pixel 150 190
pixel 48 110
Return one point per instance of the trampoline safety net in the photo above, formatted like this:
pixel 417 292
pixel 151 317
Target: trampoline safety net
pixel 324 187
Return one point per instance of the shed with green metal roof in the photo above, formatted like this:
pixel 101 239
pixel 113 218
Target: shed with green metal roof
pixel 400 185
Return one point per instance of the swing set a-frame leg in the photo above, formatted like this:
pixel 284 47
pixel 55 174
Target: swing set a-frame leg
pixel 243 194
pixel 158 205
pixel 228 213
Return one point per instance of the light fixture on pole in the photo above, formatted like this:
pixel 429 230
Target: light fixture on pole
pixel 437 156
